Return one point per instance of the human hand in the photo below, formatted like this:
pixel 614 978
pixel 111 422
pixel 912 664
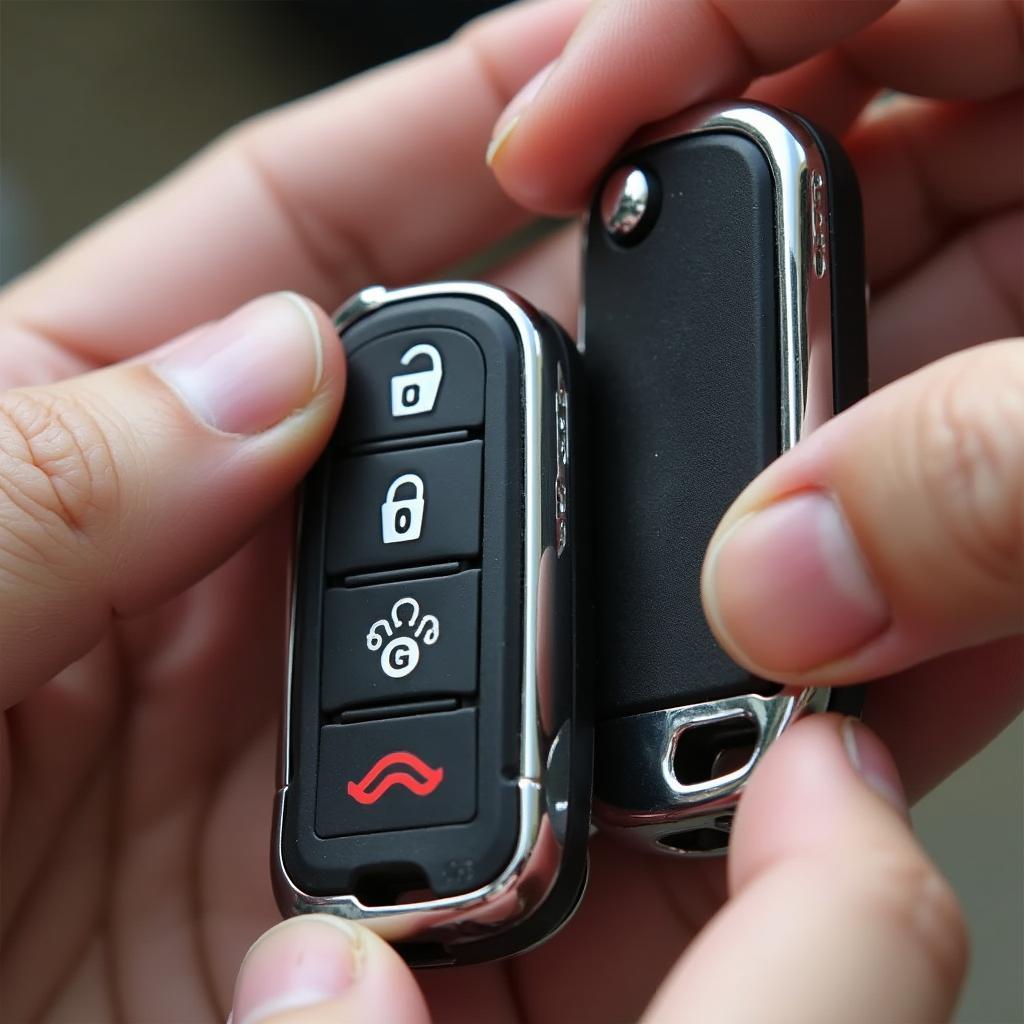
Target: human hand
pixel 915 494
pixel 136 831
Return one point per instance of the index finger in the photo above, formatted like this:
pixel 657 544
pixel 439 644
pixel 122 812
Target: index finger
pixel 634 62
pixel 379 180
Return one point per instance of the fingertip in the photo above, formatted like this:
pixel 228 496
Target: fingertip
pixel 787 588
pixel 271 359
pixel 874 763
pixel 311 315
pixel 319 967
pixel 828 785
pixel 331 366
pixel 298 963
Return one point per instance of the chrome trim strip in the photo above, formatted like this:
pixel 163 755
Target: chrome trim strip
pixel 506 900
pixel 805 401
pixel 661 796
pixel 284 756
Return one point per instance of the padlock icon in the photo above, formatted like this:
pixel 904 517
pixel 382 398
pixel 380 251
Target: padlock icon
pixel 402 519
pixel 416 393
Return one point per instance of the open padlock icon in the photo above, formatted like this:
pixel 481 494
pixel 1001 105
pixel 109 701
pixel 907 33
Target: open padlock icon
pixel 415 393
pixel 402 519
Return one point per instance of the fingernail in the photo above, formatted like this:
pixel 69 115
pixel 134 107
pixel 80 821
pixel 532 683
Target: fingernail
pixel 873 763
pixel 249 371
pixel 509 119
pixel 302 962
pixel 789 587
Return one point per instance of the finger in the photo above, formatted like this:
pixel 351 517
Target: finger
pixel 471 994
pixel 936 716
pixel 123 486
pixel 379 180
pixel 548 275
pixel 967 292
pixel 638 913
pixel 891 535
pixel 962 49
pixel 827 89
pixel 52 745
pixel 821 851
pixel 918 166
pixel 322 970
pixel 629 64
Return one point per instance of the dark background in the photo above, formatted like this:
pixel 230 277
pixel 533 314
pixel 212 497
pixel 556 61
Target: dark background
pixel 101 98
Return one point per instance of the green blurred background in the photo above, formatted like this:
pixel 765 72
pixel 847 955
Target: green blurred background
pixel 100 99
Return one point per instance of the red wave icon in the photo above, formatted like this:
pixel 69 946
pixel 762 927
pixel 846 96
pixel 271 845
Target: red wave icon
pixel 378 780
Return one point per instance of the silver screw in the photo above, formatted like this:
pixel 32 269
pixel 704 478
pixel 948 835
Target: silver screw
pixel 624 201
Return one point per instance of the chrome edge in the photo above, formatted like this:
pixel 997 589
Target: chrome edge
pixel 531 872
pixel 664 806
pixel 806 400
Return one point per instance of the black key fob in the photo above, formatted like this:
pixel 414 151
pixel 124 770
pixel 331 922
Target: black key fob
pixel 724 319
pixel 436 761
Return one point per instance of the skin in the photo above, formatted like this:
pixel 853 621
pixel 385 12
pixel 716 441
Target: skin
pixel 139 739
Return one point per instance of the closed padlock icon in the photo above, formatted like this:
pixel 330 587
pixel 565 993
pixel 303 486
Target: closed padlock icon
pixel 402 519
pixel 415 393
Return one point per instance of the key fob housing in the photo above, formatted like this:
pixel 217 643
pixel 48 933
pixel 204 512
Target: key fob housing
pixel 436 758
pixel 724 309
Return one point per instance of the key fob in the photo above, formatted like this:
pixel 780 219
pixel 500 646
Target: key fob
pixel 437 749
pixel 724 319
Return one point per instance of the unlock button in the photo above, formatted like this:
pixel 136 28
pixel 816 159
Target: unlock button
pixel 406 508
pixel 415 394
pixel 423 381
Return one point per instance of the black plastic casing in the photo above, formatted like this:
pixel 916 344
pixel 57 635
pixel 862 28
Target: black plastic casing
pixel 687 366
pixel 503 881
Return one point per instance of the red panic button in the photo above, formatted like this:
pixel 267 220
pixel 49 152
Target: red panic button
pixel 398 769
pixel 400 773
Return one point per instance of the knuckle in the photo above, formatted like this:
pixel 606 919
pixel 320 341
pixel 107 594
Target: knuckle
pixel 969 450
pixel 58 471
pixel 912 900
pixel 474 41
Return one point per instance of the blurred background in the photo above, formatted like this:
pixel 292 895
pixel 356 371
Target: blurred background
pixel 99 99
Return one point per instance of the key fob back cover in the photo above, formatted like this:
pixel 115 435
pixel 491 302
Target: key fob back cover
pixel 724 310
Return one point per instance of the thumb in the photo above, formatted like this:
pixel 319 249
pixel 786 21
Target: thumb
pixel 323 970
pixel 891 535
pixel 122 486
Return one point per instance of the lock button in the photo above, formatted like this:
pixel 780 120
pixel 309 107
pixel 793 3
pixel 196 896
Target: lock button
pixel 402 521
pixel 405 508
pixel 423 381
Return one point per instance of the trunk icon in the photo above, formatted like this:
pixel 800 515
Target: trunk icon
pixel 399 768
